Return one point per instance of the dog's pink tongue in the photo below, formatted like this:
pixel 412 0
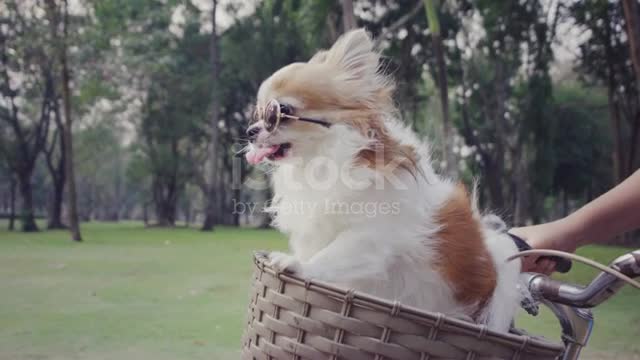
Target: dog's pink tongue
pixel 257 154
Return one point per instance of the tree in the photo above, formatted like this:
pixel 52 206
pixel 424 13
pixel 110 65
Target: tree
pixel 9 200
pixel 579 146
pixel 56 164
pixel 164 70
pixel 348 18
pixel 24 128
pixel 175 111
pixel 68 128
pixel 436 39
pixel 605 61
pixel 59 21
pixel 212 186
pixel 102 162
pixel 503 95
pixel 632 17
pixel 12 204
pixel 276 34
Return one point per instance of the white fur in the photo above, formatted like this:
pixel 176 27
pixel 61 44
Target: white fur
pixel 387 254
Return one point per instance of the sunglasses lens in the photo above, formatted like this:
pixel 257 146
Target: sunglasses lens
pixel 272 116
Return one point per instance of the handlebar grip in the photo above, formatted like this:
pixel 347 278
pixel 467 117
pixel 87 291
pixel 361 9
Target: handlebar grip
pixel 562 265
pixel 541 286
pixel 628 264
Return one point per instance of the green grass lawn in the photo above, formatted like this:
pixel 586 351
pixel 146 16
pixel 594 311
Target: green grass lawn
pixel 133 293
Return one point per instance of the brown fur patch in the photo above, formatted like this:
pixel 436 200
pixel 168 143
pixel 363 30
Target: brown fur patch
pixel 307 83
pixel 463 258
pixel 315 85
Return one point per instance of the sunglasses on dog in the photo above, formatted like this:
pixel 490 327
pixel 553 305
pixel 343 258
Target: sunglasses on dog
pixel 275 112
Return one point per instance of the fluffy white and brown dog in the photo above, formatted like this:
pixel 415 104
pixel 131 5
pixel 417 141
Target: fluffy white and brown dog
pixel 357 194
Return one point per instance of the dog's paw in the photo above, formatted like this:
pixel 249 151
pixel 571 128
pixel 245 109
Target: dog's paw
pixel 284 262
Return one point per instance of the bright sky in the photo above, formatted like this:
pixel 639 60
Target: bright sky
pixel 223 18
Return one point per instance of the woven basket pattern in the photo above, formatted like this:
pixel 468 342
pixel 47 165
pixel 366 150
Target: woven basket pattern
pixel 290 318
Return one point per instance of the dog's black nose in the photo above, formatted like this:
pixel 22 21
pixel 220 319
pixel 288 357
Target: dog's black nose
pixel 252 132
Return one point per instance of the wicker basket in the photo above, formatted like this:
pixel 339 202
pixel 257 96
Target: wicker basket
pixel 290 318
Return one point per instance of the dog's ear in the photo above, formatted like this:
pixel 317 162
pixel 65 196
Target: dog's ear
pixel 353 52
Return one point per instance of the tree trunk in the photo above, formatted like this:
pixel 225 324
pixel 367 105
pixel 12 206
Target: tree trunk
pixel 265 219
pixel 222 190
pixel 55 210
pixel 57 171
pixel 614 115
pixel 493 177
pixel 209 218
pixel 492 173
pixel 12 203
pixel 632 17
pixel 165 213
pixel 633 145
pixel 348 18
pixel 447 143
pixel 145 213
pixel 29 141
pixel 237 195
pixel 27 216
pixel 497 166
pixel 68 140
pixel 332 27
pixel 165 200
pixel 187 214
pixel 521 191
pixel 211 198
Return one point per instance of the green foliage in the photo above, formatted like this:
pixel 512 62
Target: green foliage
pixel 409 58
pixel 607 46
pixel 91 89
pixel 580 142
pixel 100 170
pixel 604 60
pixel 131 72
pixel 265 41
pixel 171 72
pixel 116 17
pixel 313 17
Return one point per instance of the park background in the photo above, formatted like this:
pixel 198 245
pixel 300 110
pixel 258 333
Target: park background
pixel 121 122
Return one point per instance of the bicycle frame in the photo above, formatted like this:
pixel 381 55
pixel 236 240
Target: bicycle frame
pixel 567 302
pixel 576 324
pixel 570 303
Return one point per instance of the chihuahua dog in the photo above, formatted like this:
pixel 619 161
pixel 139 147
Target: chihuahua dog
pixel 356 193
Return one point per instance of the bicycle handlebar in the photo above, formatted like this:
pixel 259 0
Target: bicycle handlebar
pixel 599 290
pixel 628 264
pixel 570 302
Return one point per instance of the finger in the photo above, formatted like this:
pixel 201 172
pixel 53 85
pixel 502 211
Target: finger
pixel 529 264
pixel 542 265
pixel 550 268
pixel 546 266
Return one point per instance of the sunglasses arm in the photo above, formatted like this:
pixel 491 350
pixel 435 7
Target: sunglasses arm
pixel 315 121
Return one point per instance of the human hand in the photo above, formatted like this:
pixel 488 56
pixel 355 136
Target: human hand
pixel 557 235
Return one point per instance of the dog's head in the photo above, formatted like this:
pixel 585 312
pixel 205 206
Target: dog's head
pixel 342 86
